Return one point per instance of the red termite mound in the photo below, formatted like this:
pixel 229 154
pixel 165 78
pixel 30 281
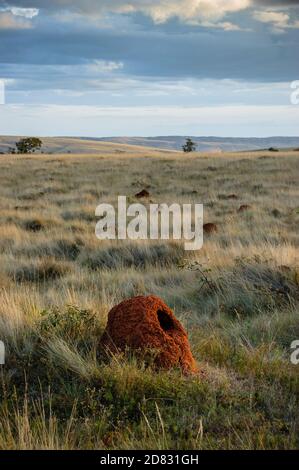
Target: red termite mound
pixel 210 228
pixel 143 194
pixel 147 323
pixel 244 207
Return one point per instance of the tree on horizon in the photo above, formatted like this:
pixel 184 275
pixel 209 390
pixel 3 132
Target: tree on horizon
pixel 189 146
pixel 29 145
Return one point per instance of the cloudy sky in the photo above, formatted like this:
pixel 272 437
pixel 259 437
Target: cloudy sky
pixel 149 67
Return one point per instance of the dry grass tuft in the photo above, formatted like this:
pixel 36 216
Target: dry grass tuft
pixel 42 271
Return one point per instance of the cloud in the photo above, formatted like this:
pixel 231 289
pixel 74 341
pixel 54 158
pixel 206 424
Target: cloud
pixel 189 11
pixel 279 20
pixel 276 18
pixel 24 12
pixel 79 85
pixel 104 66
pixel 135 54
pixel 278 3
pixel 171 51
pixel 192 12
pixel 225 25
pixel 98 121
pixel 205 13
pixel 82 56
pixel 9 21
pixel 17 18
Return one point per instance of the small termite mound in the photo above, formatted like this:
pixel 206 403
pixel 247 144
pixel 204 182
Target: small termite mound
pixel 210 228
pixel 244 208
pixel 142 194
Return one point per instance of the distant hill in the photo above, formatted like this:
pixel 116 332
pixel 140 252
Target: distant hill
pixel 78 145
pixel 73 145
pixel 209 144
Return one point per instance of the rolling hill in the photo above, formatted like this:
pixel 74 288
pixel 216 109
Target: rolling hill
pixel 72 145
pixel 105 145
pixel 209 144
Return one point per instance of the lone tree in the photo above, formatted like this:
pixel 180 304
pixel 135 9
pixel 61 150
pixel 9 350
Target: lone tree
pixel 29 145
pixel 189 146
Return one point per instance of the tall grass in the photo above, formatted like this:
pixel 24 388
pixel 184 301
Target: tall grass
pixel 237 297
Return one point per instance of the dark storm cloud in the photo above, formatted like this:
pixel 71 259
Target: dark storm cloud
pixel 171 49
pixel 201 54
pixel 89 7
pixel 92 5
pixel 284 3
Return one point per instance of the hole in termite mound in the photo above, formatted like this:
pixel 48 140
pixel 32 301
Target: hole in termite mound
pixel 165 321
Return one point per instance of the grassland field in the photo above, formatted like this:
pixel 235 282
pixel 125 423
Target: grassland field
pixel 238 298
